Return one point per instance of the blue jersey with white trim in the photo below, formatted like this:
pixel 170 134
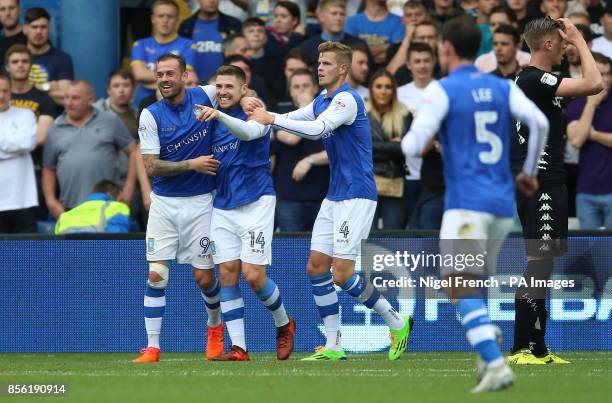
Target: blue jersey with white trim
pixel 349 149
pixel 181 137
pixel 475 139
pixel 244 173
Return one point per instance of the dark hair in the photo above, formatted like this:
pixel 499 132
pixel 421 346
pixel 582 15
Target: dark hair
pixel 253 22
pixel 509 30
pixel 602 59
pixel 360 47
pixel 537 30
pixel 415 4
pixel 296 53
pixel 165 3
pixel 237 58
pixel 290 6
pixel 108 187
pixel 172 56
pixel 419 47
pixel 303 72
pixel 235 71
pixel 123 73
pixel 34 13
pixel 463 33
pixel 17 48
pixel 506 10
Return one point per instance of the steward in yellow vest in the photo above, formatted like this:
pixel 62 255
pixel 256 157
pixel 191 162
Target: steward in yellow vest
pixel 98 214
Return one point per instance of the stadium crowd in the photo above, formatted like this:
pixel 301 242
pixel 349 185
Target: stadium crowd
pixel 59 147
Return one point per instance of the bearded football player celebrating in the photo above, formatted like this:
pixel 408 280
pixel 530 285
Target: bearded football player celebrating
pixel 177 154
pixel 338 116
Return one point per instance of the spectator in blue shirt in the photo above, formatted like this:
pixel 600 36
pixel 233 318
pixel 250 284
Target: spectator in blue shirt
pixel 164 17
pixel 51 68
pixel 207 28
pixel 377 27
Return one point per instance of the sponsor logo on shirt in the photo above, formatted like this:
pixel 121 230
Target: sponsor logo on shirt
pixel 225 147
pixel 207 46
pixel 190 139
pixel 548 79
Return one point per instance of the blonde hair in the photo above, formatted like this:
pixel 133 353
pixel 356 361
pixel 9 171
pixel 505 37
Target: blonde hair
pixel 392 122
pixel 344 53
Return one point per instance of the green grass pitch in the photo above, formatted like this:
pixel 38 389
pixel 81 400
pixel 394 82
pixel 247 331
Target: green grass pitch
pixel 417 377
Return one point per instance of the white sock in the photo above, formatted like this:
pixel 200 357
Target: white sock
pixel 235 328
pixel 390 315
pixel 332 333
pixel 153 326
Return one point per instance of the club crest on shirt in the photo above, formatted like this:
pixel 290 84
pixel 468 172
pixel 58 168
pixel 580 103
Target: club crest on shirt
pixel 549 79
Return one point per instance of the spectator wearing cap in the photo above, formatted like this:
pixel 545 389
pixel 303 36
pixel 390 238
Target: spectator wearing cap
pixel 52 68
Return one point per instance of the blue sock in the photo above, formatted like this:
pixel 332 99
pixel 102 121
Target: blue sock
pixel 326 299
pixel 271 298
pixel 212 300
pixel 361 290
pixel 154 306
pixel 364 292
pixel 232 307
pixel 478 329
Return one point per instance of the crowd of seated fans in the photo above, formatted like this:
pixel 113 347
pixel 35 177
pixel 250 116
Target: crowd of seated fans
pixel 79 142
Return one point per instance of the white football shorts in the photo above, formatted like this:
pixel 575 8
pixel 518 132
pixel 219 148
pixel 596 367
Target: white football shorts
pixel 341 226
pixel 179 228
pixel 468 232
pixel 244 233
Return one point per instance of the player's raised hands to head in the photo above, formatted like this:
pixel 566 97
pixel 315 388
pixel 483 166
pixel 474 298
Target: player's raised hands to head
pixel 249 104
pixel 569 32
pixel 261 116
pixel 527 184
pixel 205 113
pixel 206 164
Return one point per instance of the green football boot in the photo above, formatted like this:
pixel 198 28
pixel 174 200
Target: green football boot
pixel 399 339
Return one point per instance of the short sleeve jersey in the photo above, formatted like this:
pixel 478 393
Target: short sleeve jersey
pixel 174 133
pixel 540 86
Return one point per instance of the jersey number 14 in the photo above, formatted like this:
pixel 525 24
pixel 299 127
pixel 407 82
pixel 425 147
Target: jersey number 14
pixel 483 135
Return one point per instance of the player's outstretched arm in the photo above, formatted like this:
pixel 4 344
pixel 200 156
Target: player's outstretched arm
pixel 591 82
pixel 430 115
pixel 342 110
pixel 249 130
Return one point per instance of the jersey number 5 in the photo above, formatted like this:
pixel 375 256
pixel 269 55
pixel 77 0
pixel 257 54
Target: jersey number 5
pixel 481 119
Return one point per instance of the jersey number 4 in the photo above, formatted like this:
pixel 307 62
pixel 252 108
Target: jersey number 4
pixel 344 229
pixel 483 135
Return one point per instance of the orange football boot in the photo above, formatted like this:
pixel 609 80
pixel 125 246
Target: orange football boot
pixel 149 354
pixel 214 342
pixel 284 340
pixel 235 354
